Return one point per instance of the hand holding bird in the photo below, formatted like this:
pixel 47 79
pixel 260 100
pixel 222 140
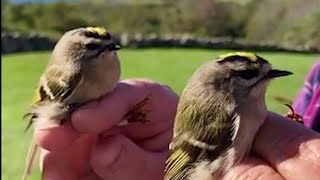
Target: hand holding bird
pixel 139 151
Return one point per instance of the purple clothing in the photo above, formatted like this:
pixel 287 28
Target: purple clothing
pixel 307 104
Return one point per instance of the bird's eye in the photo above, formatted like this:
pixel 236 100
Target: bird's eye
pixel 248 74
pixel 92 46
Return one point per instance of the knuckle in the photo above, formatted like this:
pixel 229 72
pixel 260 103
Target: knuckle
pixel 259 172
pixel 310 150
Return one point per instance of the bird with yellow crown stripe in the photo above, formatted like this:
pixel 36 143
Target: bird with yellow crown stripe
pixel 83 66
pixel 219 112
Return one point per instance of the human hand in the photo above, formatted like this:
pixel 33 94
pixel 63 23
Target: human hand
pixel 282 149
pixel 93 147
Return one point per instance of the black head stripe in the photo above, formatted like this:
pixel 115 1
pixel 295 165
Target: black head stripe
pixel 96 35
pixel 242 56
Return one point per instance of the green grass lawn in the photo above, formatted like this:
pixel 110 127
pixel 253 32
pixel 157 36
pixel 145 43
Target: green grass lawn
pixel 20 73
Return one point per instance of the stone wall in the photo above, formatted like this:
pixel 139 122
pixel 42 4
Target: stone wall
pixel 188 41
pixel 20 42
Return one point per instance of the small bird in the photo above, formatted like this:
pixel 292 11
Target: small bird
pixel 84 66
pixel 220 110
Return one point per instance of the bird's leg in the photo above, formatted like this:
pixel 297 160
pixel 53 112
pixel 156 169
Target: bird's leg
pixel 292 115
pixel 138 113
pixel 73 107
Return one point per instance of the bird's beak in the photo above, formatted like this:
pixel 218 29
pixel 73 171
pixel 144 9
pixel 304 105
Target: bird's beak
pixel 274 73
pixel 113 47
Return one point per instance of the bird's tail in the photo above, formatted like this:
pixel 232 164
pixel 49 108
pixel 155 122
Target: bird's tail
pixel 48 114
pixel 33 149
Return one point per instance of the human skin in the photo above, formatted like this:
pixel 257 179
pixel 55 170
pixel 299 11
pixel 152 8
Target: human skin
pixel 92 147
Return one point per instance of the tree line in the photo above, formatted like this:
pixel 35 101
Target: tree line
pixel 293 22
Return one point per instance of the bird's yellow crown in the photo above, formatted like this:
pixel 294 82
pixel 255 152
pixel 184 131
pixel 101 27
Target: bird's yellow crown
pixel 99 30
pixel 250 56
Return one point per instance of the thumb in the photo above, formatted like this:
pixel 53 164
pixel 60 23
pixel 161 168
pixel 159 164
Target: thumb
pixel 118 158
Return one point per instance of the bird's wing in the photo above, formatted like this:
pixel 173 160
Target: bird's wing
pixel 210 145
pixel 58 86
pixel 179 162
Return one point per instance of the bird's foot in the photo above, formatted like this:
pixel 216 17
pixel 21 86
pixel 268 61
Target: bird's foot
pixel 292 115
pixel 138 113
pixel 68 111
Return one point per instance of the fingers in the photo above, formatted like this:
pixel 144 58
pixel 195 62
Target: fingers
pixel 141 131
pixel 110 110
pixel 252 168
pixel 118 158
pixel 160 108
pixel 150 136
pixel 67 164
pixel 53 169
pixel 157 143
pixel 56 138
pixel 292 149
pixel 101 115
pixel 91 175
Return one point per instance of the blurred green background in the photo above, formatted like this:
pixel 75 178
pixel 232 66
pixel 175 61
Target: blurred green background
pixel 293 22
pixel 279 21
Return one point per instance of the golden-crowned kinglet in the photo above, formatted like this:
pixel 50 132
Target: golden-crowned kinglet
pixel 83 66
pixel 219 112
